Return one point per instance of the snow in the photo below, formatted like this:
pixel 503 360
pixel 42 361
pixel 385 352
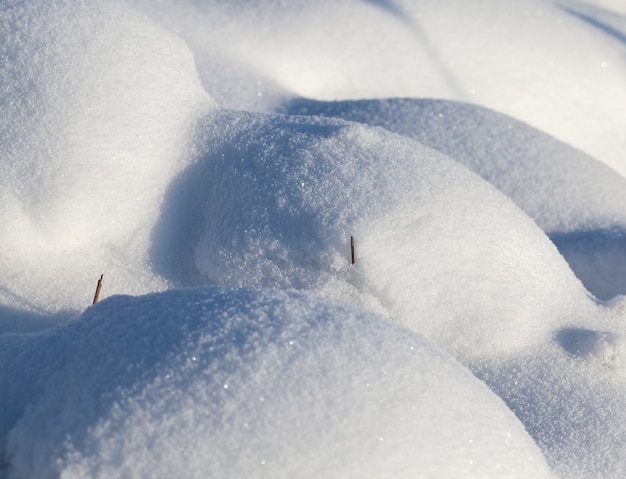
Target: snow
pixel 555 184
pixel 570 404
pixel 252 383
pixel 281 197
pixel 89 136
pixel 214 159
pixel 557 65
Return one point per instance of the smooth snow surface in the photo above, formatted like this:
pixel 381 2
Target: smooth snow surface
pixel 221 155
pixel 89 136
pixel 243 383
pixel 558 65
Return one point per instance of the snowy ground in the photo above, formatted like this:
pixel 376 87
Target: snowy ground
pixel 213 160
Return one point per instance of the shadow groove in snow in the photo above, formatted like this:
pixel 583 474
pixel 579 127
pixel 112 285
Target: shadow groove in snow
pixel 229 145
pixel 597 259
pixel 179 228
pixel 13 320
pixel 422 37
pixel 391 8
pixel 596 22
pixel 584 343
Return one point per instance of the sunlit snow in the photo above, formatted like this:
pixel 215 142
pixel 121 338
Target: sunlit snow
pixel 214 160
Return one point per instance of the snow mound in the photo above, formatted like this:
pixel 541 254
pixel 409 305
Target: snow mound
pixel 273 202
pixel 244 383
pixel 578 201
pixel 96 103
pixel 517 58
pixel 554 183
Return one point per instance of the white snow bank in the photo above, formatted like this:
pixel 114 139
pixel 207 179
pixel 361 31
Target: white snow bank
pixel 273 202
pixel 556 65
pixel 243 383
pixel 96 103
pixel 579 202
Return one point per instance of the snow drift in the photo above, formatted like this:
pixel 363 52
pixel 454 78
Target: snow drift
pixel 274 201
pixel 115 159
pixel 96 104
pixel 559 66
pixel 555 184
pixel 246 383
